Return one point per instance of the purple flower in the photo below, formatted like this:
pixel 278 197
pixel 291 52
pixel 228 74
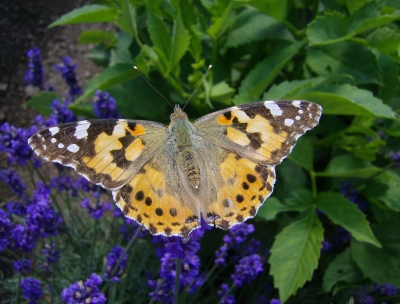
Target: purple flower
pixel 11 178
pixel 87 292
pixel 42 219
pixel 274 301
pixel 226 298
pixel 112 259
pixel 67 70
pixel 396 158
pixel 326 246
pixel 35 73
pixel 385 289
pixel 104 105
pixel 5 230
pixel 97 211
pixel 31 290
pixel 247 269
pixel 14 142
pixel 60 113
pixel 341 235
pixel 232 241
pixel 353 196
pixel 171 249
pixel 22 267
pixel 52 255
pixel 86 186
pixel 16 207
pixel 64 183
pixel 24 238
pixel 363 297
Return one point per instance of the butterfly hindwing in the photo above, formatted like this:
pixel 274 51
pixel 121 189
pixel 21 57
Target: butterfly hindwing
pixel 107 152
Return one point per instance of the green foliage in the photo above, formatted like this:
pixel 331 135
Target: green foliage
pixel 345 58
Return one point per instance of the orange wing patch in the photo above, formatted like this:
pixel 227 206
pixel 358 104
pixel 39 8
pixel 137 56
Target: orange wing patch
pixel 247 185
pixel 145 200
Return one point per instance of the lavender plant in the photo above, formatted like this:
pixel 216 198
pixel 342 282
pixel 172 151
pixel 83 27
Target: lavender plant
pixel 334 213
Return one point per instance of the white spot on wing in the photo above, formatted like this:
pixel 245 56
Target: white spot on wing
pixel 60 145
pixel 273 107
pixel 301 112
pixel 289 122
pixel 73 148
pixel 81 129
pixel 296 103
pixel 54 130
pixel 53 140
pixel 297 117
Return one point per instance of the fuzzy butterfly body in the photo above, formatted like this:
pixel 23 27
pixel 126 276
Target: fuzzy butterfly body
pixel 220 167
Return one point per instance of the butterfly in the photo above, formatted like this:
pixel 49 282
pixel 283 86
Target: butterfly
pixel 221 167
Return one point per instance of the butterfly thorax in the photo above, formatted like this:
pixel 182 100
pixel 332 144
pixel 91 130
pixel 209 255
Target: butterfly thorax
pixel 182 134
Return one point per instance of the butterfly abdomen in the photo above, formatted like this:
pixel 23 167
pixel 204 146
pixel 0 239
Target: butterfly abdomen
pixel 191 167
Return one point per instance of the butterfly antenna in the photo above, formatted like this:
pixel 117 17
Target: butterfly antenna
pixel 137 70
pixel 204 77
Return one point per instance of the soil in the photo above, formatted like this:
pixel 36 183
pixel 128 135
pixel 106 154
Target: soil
pixel 24 25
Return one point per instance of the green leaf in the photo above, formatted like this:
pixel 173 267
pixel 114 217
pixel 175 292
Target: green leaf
pixel 387 41
pixel 221 15
pixel 109 77
pixel 251 25
pixel 346 214
pixel 180 41
pixel 42 102
pixel 97 36
pixel 271 207
pixel 386 189
pixel 258 79
pixel 159 35
pixel 388 70
pixel 380 265
pixel 369 17
pixel 83 109
pixel 127 19
pixel 274 8
pixel 327 29
pixel 303 154
pixel 346 165
pixel 344 58
pixel 87 14
pixel 341 269
pixel 244 98
pixel 295 254
pixel 221 92
pixel 122 54
pixel 300 201
pixel 347 100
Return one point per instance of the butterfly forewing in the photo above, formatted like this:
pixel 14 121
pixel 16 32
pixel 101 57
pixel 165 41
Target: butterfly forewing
pixel 107 152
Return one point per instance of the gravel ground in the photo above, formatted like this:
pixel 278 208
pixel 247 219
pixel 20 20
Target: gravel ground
pixel 24 25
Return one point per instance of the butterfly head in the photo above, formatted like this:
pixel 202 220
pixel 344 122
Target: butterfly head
pixel 178 113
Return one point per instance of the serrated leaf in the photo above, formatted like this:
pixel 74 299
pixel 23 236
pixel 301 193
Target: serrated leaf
pixel 127 19
pixel 42 102
pixel 107 78
pixel 344 58
pixel 271 207
pixel 386 189
pixel 341 269
pixel 159 34
pixel 87 14
pixel 347 100
pixel 258 79
pixel 303 154
pixel 346 214
pixel 179 42
pixel 295 254
pixel 251 25
pixel 330 28
pixel 387 41
pixel 369 17
pixel 221 13
pixel 346 165
pixel 386 259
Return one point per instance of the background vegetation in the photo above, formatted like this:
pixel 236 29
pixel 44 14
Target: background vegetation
pixel 332 225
